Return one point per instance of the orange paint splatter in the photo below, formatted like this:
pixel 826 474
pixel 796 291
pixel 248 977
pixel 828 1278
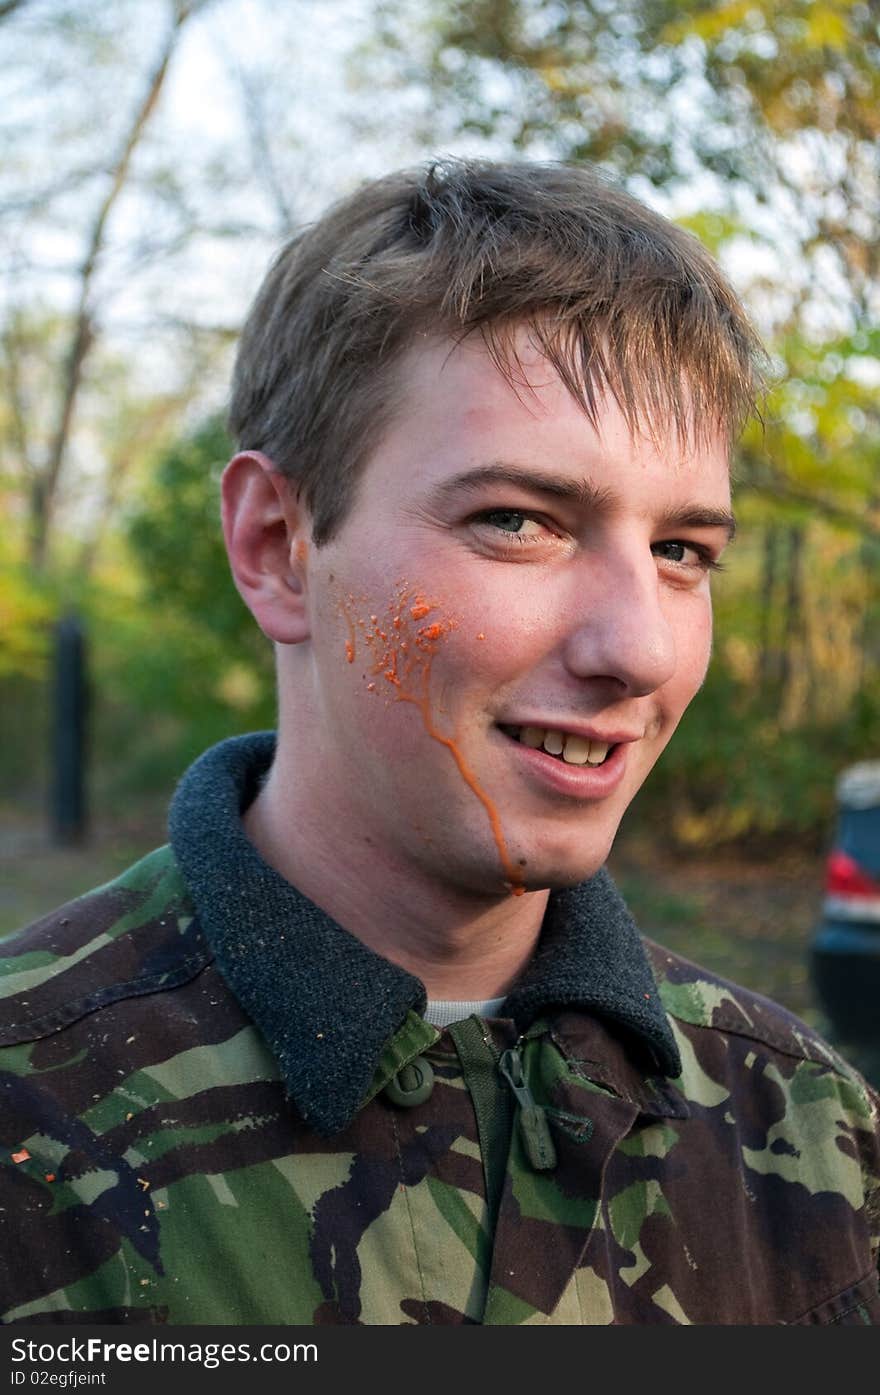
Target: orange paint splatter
pixel 21 1156
pixel 481 636
pixel 405 662
pixel 50 1176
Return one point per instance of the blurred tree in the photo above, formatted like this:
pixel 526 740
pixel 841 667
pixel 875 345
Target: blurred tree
pixel 45 462
pixel 173 527
pixel 122 188
pixel 173 530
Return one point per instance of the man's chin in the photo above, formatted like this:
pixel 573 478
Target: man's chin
pixel 534 870
pixel 561 879
pixel 560 868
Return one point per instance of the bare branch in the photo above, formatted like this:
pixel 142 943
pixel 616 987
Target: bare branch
pixel 162 414
pixel 261 148
pixel 13 356
pixel 40 198
pixel 7 7
pixel 82 337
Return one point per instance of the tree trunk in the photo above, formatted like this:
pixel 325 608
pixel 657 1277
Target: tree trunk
pixel 768 658
pixel 793 633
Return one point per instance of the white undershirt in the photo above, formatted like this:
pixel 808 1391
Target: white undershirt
pixel 441 1012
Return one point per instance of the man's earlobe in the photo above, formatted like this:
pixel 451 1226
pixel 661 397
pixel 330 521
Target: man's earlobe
pixel 266 531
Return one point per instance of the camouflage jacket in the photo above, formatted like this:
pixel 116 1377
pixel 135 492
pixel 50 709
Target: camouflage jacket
pixel 216 1106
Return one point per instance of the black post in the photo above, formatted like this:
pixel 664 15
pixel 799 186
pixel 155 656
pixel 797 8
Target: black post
pixel 69 716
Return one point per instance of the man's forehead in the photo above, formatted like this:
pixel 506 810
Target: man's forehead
pixel 460 425
pixel 480 371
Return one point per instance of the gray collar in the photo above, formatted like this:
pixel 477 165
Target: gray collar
pixel 325 1004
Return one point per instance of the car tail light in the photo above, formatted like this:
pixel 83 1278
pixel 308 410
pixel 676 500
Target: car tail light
pixel 844 877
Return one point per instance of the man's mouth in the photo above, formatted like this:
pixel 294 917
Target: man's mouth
pixel 574 750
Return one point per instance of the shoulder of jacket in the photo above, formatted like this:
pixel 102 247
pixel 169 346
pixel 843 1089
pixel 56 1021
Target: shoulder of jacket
pixel 137 934
pixel 697 996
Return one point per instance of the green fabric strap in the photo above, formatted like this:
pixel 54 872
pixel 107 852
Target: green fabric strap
pixel 414 1037
pixel 493 1104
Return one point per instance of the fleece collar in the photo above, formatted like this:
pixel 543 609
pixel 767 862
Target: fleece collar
pixel 327 1005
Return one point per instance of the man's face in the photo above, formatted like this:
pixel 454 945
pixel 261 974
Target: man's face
pixel 511 593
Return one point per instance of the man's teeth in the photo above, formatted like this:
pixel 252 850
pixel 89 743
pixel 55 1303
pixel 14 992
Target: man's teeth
pixel 575 750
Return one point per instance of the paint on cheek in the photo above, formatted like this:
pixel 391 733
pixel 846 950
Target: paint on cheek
pixel 403 653
pixel 350 642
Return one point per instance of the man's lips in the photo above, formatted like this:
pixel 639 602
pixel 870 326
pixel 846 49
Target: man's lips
pixel 582 779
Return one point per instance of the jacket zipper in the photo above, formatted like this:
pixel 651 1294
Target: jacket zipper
pixel 496 1107
pixel 534 1130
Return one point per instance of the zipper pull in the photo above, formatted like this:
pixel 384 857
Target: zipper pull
pixel 534 1129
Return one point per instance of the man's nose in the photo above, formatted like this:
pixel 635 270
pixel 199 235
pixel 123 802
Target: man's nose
pixel 621 631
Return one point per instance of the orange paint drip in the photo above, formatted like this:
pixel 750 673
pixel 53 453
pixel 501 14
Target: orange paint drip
pixel 301 552
pixel 511 871
pixel 350 642
pixel 405 662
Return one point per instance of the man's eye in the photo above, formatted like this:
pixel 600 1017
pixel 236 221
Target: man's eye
pixel 685 554
pixel 508 520
pixel 514 522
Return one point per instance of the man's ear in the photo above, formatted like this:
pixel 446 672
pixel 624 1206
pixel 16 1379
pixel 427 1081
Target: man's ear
pixel 267 532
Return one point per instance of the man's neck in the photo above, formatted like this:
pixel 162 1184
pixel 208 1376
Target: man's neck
pixel 460 945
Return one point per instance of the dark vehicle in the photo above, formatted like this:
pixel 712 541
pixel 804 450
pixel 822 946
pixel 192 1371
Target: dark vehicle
pixel 846 947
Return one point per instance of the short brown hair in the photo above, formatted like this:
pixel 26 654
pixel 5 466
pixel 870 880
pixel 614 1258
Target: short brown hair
pixel 618 297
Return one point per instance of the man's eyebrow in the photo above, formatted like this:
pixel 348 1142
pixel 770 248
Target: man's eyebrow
pixel 699 518
pixel 504 472
pixel 577 491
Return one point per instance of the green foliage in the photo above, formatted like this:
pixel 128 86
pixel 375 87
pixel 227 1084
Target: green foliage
pixel 25 609
pixel 734 773
pixel 768 109
pixel 178 658
pixel 174 533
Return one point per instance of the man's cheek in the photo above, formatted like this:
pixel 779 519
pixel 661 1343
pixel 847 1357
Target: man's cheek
pixel 397 648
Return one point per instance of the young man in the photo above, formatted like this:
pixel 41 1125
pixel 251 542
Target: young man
pixel 375 1040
